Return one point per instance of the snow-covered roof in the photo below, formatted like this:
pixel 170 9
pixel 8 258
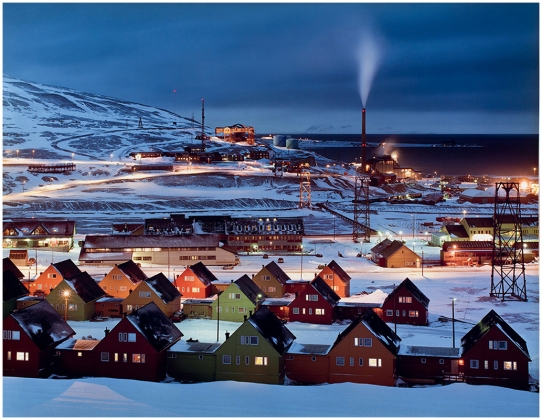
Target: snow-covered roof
pixel 186 346
pixel 163 287
pixel 272 329
pixel 426 351
pixel 316 349
pixel 373 300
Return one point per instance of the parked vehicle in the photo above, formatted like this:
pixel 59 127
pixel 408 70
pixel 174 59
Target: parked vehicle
pixel 280 260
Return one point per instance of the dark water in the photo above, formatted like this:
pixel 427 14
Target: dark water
pixel 506 155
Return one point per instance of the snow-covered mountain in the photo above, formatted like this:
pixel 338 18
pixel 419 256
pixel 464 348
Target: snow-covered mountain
pixel 60 121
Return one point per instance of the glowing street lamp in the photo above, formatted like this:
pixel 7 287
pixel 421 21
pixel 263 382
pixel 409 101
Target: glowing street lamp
pixel 17 153
pixel 534 171
pixel 32 154
pixel 111 156
pixel 66 296
pixel 401 233
pixel 73 154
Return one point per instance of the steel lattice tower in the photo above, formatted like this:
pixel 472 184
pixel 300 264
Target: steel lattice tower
pixel 508 265
pixel 305 187
pixel 361 226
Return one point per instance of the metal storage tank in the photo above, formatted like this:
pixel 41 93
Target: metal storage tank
pixel 279 140
pixel 292 143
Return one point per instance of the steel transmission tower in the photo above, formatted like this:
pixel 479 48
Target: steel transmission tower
pixel 305 187
pixel 508 265
pixel 361 226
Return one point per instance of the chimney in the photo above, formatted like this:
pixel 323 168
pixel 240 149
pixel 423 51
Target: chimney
pixel 227 335
pixel 250 313
pixel 296 294
pixel 244 316
pixel 363 142
pixel 106 331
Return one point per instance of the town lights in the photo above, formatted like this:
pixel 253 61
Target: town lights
pixel 66 296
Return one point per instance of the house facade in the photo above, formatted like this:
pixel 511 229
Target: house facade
pixel 75 298
pixel 157 289
pixel 241 298
pixel 122 279
pixel 192 361
pixel 195 281
pixel 55 234
pixel 307 363
pixel 494 354
pixel 336 278
pixel 406 304
pixel 315 304
pixel 365 352
pixel 148 250
pixel 394 254
pixel 255 351
pixel 272 280
pixel 53 275
pixel 136 347
pixel 29 340
pixel 428 365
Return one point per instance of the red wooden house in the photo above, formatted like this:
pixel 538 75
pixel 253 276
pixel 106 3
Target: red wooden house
pixel 494 354
pixel 29 340
pixel 75 358
pixel 53 275
pixel 307 363
pixel 336 278
pixel 280 307
pixel 293 286
pixel 365 352
pixel 136 347
pixel 427 365
pixel 195 281
pixel 122 279
pixel 406 304
pixel 315 304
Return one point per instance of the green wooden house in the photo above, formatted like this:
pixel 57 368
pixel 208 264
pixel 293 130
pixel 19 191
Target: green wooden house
pixel 79 293
pixel 240 298
pixel 192 361
pixel 255 351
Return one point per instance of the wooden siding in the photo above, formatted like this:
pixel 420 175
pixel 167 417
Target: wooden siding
pixel 113 286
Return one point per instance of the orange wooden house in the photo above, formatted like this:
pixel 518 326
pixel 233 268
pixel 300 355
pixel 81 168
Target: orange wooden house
pixel 122 279
pixel 365 352
pixel 195 281
pixel 157 289
pixel 272 280
pixel 53 275
pixel 336 278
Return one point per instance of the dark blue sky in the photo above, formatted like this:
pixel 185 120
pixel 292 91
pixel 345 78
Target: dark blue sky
pixel 282 68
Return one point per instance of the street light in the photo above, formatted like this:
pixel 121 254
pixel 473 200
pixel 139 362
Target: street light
pixel 73 154
pixel 401 233
pixel 32 154
pixel 66 296
pixel 301 262
pixel 333 228
pixel 534 171
pixel 111 155
pixel 17 153
pixel 453 323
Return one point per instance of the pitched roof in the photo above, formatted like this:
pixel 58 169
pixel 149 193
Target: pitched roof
pixel 249 288
pixel 277 272
pixel 85 287
pixel 132 271
pixel 413 289
pixel 492 319
pixel 479 221
pixel 7 264
pixel 157 328
pixel 325 291
pixel 163 287
pixel 43 325
pixel 148 241
pixel 51 226
pixel 391 249
pixel 449 245
pixel 66 268
pixel 377 326
pixel 203 273
pixel 272 329
pixel 380 246
pixel 337 269
pixel 13 288
pixel 457 231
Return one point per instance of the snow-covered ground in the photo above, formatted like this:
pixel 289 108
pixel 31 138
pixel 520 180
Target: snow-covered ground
pixel 46 125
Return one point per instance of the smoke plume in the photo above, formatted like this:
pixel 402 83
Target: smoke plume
pixel 369 55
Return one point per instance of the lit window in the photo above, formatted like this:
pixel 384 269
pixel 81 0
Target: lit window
pixel 9 355
pixel 413 314
pixel 72 307
pixel 319 311
pixel 339 361
pixel 260 361
pixel 138 358
pixel 510 366
pixel 375 362
pixel 79 354
pixel 486 364
pixel 125 357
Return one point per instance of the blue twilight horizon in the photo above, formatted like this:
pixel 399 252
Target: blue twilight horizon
pixel 285 67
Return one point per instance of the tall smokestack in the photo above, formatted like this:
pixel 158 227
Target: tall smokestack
pixel 363 143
